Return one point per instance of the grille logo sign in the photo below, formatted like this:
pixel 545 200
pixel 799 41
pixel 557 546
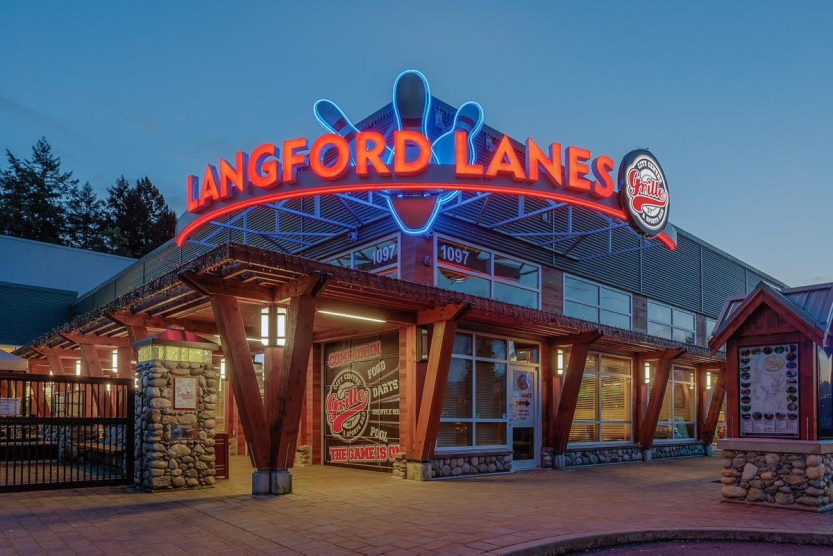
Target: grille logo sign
pixel 644 192
pixel 347 404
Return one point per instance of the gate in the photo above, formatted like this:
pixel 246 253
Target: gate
pixel 65 431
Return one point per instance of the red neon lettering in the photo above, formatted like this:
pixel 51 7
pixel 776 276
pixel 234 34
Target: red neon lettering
pixel 603 186
pixel 536 159
pixel 342 162
pixel 264 173
pixel 193 184
pixel 401 166
pixel 209 192
pixel 293 160
pixel 233 176
pixel 365 154
pixel 505 161
pixel 461 154
pixel 577 169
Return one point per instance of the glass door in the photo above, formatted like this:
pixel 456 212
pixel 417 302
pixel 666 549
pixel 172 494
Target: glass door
pixel 524 417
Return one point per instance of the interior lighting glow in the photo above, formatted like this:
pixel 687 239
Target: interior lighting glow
pixel 647 373
pixel 222 369
pixel 348 316
pixel 78 367
pixel 115 360
pixel 559 362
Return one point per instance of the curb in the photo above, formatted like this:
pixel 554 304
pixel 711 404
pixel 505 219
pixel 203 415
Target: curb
pixel 570 545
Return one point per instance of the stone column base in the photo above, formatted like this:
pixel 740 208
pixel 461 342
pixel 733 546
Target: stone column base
pixel 647 455
pixel 281 482
pixel 559 461
pixel 418 471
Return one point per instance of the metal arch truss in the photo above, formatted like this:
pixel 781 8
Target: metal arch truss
pixel 563 242
pixel 360 209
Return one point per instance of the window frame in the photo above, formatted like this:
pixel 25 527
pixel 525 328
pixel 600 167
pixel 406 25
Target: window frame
pixel 671 324
pixel 598 306
pixel 599 422
pixel 507 420
pixel 491 278
pixel 379 271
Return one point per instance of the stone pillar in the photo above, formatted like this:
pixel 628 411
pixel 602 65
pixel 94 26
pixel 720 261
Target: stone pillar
pixel 175 404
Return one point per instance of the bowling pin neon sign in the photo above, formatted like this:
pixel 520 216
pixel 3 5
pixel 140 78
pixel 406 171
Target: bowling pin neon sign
pixel 416 167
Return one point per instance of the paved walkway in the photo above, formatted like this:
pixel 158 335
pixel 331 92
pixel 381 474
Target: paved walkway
pixel 336 511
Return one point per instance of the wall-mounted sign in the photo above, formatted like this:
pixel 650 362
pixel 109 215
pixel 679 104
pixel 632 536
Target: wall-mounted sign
pixel 416 167
pixel 361 402
pixel 185 392
pixel 769 390
pixel 9 407
pixel 644 192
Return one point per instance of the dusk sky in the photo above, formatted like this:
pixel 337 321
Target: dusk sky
pixel 733 98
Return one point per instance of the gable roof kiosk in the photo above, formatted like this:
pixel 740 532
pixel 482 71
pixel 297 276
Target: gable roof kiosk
pixel 779 445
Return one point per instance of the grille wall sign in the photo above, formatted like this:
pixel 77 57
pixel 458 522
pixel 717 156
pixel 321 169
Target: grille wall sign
pixel 644 192
pixel 361 402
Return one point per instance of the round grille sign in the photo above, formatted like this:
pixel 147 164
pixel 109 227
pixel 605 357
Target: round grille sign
pixel 644 192
pixel 347 406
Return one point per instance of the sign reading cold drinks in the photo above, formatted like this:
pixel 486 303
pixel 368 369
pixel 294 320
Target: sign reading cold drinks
pixel 361 402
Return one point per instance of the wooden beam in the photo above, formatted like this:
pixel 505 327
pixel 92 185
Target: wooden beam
pixel 212 285
pixel 145 320
pixel 392 316
pixel 581 338
pixel 93 340
pixel 300 317
pixel 125 369
pixel 410 386
pixel 452 311
pixel 310 285
pixel 648 427
pixel 433 391
pixel 242 378
pixel 570 388
pixel 58 352
pixel 91 366
pixel 713 415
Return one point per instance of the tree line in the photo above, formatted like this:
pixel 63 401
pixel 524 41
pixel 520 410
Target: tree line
pixel 41 201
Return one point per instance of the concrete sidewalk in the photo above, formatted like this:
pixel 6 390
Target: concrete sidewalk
pixel 338 511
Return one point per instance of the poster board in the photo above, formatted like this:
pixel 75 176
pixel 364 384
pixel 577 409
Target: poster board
pixel 185 392
pixel 769 391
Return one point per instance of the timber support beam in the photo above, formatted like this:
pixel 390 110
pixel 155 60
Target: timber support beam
pixel 718 394
pixel 579 347
pixel 648 425
pixel 93 340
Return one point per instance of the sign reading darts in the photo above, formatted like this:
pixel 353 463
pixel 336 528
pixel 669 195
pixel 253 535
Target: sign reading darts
pixel 417 166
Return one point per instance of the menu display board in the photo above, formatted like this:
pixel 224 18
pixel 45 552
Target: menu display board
pixel 768 392
pixel 361 402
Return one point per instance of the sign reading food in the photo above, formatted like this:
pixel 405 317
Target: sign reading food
pixel 361 402
pixel 768 381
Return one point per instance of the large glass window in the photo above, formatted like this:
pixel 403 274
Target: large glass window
pixel 678 414
pixel 825 367
pixel 670 323
pixel 476 271
pixel 475 407
pixel 604 408
pixel 380 257
pixel 588 301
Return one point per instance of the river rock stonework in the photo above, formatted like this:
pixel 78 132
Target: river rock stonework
pixel 596 456
pixel 799 481
pixel 678 451
pixel 161 460
pixel 457 465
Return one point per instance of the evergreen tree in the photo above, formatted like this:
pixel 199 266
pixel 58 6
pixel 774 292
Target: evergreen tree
pixel 86 219
pixel 32 192
pixel 139 218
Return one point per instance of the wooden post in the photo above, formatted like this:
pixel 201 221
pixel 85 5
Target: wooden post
pixel 548 401
pixel 433 392
pixel 570 387
pixel 300 317
pixel 241 373
pixel 409 387
pixel 713 414
pixel 648 426
pixel 91 366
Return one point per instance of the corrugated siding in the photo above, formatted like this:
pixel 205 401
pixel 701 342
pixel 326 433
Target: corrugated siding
pixel 30 312
pixel 722 278
pixel 673 276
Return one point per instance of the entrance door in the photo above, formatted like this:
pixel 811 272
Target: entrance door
pixel 524 423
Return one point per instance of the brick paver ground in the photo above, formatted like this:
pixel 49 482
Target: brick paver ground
pixel 337 511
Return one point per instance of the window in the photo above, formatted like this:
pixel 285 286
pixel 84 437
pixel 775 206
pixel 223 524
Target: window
pixel 711 381
pixel 476 271
pixel 588 301
pixel 604 405
pixel 678 414
pixel 380 257
pixel 670 323
pixel 475 410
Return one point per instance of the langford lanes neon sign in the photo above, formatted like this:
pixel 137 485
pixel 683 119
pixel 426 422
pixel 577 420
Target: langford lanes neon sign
pixel 418 170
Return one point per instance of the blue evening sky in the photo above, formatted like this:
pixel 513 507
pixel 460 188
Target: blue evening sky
pixel 733 97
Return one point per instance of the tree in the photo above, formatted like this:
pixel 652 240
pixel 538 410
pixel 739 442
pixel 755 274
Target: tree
pixel 86 219
pixel 139 219
pixel 32 194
